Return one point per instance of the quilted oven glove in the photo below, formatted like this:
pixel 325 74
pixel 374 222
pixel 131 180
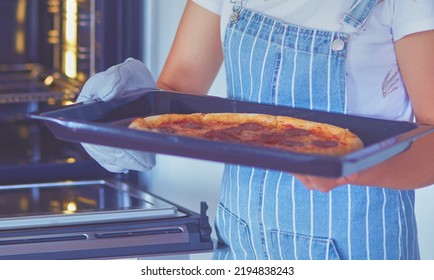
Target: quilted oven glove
pixel 114 83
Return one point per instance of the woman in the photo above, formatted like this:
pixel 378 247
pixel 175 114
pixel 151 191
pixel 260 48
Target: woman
pixel 362 57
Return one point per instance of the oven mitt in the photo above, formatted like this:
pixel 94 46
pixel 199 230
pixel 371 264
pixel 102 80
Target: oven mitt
pixel 120 160
pixel 117 81
pixel 114 83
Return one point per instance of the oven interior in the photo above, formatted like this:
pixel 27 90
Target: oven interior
pixel 49 49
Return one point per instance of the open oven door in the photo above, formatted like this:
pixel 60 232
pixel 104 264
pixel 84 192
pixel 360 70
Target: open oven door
pixel 48 49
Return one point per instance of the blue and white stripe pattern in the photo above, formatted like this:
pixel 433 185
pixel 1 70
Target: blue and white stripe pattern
pixel 267 214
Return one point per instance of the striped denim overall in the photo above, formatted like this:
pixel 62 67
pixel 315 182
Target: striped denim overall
pixel 268 214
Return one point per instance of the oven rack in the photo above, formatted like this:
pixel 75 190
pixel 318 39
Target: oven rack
pixel 29 82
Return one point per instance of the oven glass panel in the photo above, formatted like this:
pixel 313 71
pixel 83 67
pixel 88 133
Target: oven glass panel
pixel 65 199
pixel 77 202
pixel 25 143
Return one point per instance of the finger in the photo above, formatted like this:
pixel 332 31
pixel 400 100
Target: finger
pixel 306 181
pixel 346 180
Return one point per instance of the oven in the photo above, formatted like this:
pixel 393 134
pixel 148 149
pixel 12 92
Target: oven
pixel 55 201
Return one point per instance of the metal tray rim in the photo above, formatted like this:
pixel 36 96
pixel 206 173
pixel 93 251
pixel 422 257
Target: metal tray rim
pixel 84 130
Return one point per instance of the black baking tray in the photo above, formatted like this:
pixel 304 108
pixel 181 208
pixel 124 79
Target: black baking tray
pixel 105 123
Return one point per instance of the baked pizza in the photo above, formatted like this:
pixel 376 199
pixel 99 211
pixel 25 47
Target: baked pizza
pixel 281 132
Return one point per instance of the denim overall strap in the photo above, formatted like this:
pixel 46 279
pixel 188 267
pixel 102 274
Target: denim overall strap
pixel 267 214
pixel 358 14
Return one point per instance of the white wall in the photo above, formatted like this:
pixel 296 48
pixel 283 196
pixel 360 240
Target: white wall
pixel 184 181
pixel 425 217
pixel 188 181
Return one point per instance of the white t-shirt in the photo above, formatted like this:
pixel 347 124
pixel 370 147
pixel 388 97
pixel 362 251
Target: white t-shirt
pixel 373 87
